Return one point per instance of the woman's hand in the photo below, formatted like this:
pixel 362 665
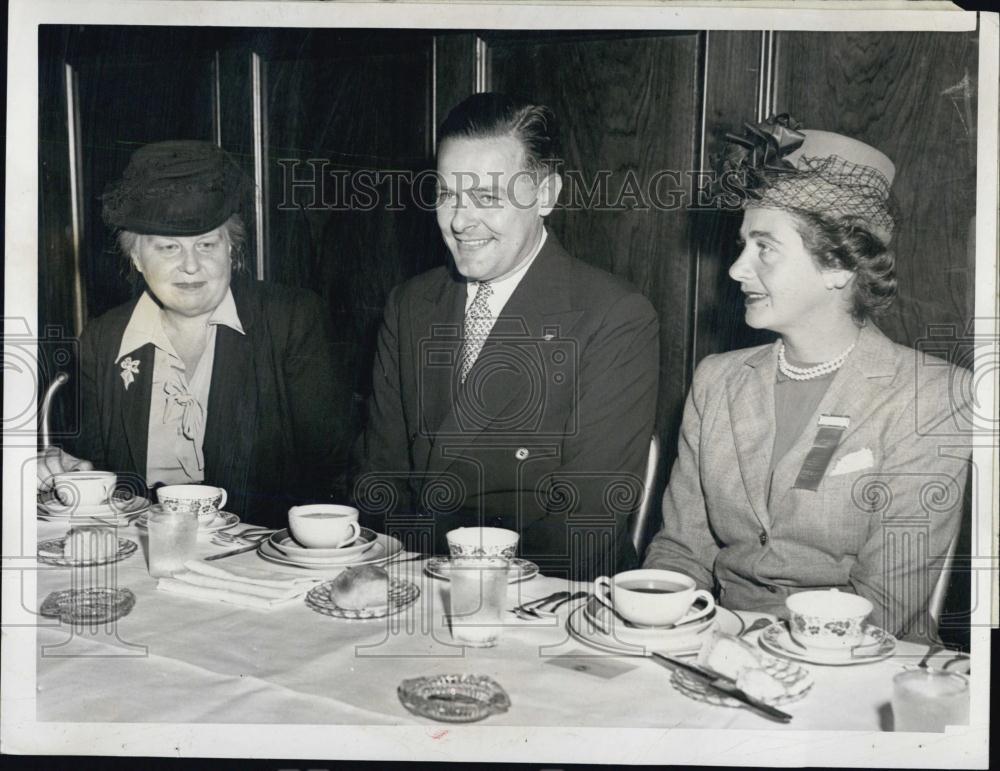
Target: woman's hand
pixel 52 461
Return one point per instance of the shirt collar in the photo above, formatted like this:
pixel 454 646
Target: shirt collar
pixel 144 325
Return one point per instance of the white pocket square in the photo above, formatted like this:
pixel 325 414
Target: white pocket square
pixel 855 461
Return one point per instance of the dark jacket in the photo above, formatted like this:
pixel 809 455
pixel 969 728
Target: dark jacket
pixel 548 436
pixel 276 433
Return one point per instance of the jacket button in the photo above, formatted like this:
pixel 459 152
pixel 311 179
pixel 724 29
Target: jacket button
pixel 763 537
pixel 521 453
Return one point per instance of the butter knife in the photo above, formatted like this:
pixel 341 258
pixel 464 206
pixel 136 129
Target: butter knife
pixel 230 553
pixel 723 685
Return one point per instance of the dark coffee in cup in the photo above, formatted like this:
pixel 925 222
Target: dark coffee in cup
pixel 653 587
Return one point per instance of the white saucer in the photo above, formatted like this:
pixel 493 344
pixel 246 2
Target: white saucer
pixel 385 548
pixel 521 569
pixel 283 542
pixel 679 641
pixel 50 507
pixel 222 521
pixel 603 617
pixel 876 646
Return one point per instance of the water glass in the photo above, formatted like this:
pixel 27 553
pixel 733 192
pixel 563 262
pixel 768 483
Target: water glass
pixel 478 594
pixel 928 700
pixel 172 538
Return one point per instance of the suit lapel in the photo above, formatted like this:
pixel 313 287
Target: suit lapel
pixel 436 338
pixel 134 404
pixel 751 409
pixel 852 393
pixel 540 307
pixel 232 402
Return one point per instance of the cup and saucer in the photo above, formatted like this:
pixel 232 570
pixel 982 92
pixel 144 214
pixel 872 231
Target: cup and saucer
pixel 638 611
pixel 83 495
pixel 203 501
pixel 828 627
pixel 482 542
pixel 325 536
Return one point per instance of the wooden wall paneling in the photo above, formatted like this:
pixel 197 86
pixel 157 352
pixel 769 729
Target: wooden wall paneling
pixel 732 79
pixel 628 109
pixel 913 96
pixel 454 71
pixel 359 103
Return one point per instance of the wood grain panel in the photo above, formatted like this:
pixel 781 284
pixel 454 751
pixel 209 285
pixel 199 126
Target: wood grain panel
pixel 358 104
pixel 913 96
pixel 627 106
pixel 732 74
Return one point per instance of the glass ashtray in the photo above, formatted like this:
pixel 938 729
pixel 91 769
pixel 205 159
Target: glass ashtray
pixel 454 698
pixel 88 606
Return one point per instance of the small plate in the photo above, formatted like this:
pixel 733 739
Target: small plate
pixel 454 698
pixel 401 594
pixel 384 549
pixel 604 617
pixel 223 521
pixel 282 541
pixel 623 641
pixel 118 507
pixel 51 553
pixel 877 645
pixel 88 606
pixel 521 570
pixel 796 679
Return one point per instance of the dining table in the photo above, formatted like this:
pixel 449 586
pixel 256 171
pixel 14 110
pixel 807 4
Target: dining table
pixel 177 659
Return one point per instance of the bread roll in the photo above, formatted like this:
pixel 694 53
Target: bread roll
pixel 86 544
pixel 361 587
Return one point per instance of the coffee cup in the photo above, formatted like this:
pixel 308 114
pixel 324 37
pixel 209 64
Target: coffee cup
pixel 324 525
pixel 653 597
pixel 84 488
pixel 482 542
pixel 828 619
pixel 204 501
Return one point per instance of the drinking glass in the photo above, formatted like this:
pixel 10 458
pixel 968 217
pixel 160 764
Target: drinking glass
pixel 172 537
pixel 478 592
pixel 929 699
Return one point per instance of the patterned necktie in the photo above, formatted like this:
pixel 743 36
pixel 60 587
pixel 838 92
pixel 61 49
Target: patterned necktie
pixel 478 323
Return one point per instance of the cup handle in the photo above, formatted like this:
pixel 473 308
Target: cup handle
pixel 225 497
pixel 353 537
pixel 602 586
pixel 691 616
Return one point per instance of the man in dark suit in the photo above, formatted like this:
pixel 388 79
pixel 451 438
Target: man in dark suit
pixel 516 386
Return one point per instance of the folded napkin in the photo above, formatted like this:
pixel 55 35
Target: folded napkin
pixel 248 587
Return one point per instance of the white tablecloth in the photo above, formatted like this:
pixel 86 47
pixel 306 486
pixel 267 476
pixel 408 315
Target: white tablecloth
pixel 174 659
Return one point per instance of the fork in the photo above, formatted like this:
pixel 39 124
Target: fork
pixel 538 612
pixel 251 534
pixel 529 607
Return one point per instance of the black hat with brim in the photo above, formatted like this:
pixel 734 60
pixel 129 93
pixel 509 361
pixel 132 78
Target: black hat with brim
pixel 176 188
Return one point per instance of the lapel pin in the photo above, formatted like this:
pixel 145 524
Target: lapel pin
pixel 130 368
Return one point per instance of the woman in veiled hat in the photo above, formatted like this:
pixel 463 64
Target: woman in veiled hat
pixel 813 462
pixel 207 376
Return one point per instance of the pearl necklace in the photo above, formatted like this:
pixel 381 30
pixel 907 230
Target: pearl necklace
pixel 815 371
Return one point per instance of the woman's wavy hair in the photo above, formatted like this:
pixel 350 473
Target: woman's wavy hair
pixel 844 243
pixel 233 230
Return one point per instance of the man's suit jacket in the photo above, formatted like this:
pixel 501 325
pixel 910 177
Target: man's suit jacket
pixel 275 434
pixel 889 502
pixel 548 436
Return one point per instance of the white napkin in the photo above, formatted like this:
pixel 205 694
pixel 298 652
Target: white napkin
pixel 249 587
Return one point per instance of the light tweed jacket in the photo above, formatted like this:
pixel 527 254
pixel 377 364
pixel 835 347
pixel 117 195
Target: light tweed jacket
pixel 888 505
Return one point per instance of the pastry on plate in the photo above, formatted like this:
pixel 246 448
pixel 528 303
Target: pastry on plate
pixel 366 586
pixel 90 544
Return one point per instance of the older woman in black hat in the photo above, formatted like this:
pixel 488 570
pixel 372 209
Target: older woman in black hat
pixel 207 375
pixel 815 462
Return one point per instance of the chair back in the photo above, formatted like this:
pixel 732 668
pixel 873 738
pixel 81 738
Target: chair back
pixel 641 519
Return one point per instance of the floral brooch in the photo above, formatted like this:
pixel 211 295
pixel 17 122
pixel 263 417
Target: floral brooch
pixel 130 368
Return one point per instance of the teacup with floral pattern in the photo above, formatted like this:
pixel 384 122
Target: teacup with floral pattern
pixel 828 619
pixel 482 542
pixel 205 501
